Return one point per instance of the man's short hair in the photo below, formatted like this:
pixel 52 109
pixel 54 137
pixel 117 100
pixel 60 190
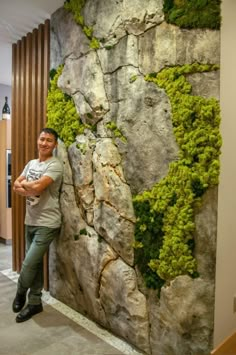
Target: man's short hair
pixel 50 131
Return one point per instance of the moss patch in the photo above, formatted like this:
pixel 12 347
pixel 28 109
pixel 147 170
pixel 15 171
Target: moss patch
pixel 165 215
pixel 116 132
pixel 61 111
pixel 193 13
pixel 75 6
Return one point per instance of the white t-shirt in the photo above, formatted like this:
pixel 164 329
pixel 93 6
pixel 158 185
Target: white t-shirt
pixel 44 210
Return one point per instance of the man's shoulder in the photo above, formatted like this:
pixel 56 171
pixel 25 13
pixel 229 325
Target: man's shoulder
pixel 54 164
pixel 55 161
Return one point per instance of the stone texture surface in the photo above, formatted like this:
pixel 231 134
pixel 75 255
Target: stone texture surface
pixel 113 210
pixel 113 19
pixel 206 84
pixel 205 235
pixel 124 305
pixel 124 53
pixel 185 314
pixel 83 80
pixel 142 113
pixel 80 155
pixel 92 262
pixel 67 38
pixel 170 45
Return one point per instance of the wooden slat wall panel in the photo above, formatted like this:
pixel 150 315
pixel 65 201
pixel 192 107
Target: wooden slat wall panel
pixel 30 74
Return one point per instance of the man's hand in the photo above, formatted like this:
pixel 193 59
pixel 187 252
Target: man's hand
pixel 36 187
pixel 18 188
pixel 31 188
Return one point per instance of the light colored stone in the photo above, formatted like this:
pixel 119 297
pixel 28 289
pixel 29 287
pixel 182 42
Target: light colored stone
pixel 183 321
pixel 61 153
pixel 91 256
pixel 116 230
pixel 72 219
pixel 141 112
pixel 83 80
pixel 80 154
pixel 67 38
pixel 123 53
pixel 112 19
pixel 125 307
pixel 168 45
pixel 79 264
pixel 108 184
pixel 205 84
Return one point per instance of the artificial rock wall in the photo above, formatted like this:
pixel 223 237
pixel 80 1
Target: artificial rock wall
pixel 92 262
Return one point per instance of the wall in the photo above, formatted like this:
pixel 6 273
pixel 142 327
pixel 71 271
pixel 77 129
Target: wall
pixel 225 318
pixel 92 266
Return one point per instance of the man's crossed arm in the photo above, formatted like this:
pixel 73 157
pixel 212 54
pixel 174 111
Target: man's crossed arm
pixel 31 188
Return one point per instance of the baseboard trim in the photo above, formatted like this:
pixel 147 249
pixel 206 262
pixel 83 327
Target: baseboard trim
pixel 5 241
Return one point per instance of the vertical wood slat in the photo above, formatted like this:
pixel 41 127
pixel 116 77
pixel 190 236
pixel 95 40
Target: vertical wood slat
pixel 21 126
pixel 14 215
pixel 46 67
pixel 30 73
pixel 28 96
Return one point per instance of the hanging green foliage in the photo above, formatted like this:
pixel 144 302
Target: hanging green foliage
pixel 193 13
pixel 61 111
pixel 75 6
pixel 165 215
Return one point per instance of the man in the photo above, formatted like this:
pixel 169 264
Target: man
pixel 40 182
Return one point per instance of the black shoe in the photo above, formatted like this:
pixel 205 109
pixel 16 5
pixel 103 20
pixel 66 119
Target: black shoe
pixel 18 302
pixel 28 312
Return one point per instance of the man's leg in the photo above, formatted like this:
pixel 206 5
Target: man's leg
pixel 29 235
pixel 20 298
pixel 31 275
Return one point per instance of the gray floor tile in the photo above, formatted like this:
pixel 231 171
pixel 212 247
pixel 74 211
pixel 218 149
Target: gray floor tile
pixel 47 333
pixel 5 256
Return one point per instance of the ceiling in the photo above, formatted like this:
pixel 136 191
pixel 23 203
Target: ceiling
pixel 17 18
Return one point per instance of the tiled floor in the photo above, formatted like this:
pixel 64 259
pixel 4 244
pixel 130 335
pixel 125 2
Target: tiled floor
pixel 58 330
pixel 5 256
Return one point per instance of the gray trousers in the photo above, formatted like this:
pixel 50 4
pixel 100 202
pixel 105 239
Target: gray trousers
pixel 37 241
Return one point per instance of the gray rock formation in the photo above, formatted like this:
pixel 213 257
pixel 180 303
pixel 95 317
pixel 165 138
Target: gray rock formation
pixel 182 322
pixel 169 45
pixel 125 306
pixel 92 262
pixel 142 112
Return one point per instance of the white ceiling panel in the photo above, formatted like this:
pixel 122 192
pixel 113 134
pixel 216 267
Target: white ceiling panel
pixel 17 18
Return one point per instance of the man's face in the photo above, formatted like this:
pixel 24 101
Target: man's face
pixel 46 144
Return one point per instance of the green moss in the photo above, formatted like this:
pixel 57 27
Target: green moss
pixel 94 43
pixel 88 31
pixel 83 231
pixel 165 215
pixel 193 13
pixel 132 78
pixel 61 111
pixel 82 147
pixel 108 47
pixel 116 132
pixel 76 6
